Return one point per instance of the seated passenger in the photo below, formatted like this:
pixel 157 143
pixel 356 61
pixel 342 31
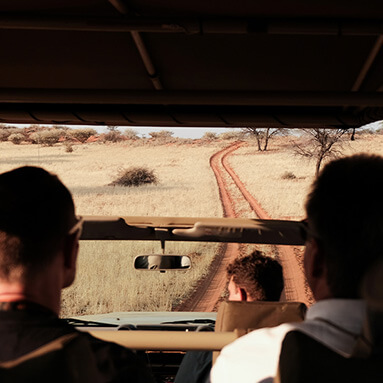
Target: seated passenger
pixel 251 278
pixel 39 235
pixel 343 240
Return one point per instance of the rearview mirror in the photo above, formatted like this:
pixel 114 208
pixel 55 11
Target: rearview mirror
pixel 162 262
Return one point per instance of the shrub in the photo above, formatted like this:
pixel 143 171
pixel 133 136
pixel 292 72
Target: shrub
pixel 5 132
pixel 4 135
pixel 47 137
pixel 232 135
pixel 288 176
pixel 135 176
pixel 364 131
pixel 112 136
pixel 82 134
pixel 161 135
pixel 131 134
pixel 209 136
pixel 16 138
pixel 68 147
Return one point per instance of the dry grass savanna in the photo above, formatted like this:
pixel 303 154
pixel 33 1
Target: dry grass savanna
pixel 106 279
pixel 264 173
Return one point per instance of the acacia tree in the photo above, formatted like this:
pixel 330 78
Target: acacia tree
pixel 322 143
pixel 262 135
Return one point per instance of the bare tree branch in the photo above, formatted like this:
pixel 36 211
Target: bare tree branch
pixel 322 144
pixel 262 135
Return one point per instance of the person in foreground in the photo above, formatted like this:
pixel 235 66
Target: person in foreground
pixel 254 277
pixel 344 231
pixel 39 235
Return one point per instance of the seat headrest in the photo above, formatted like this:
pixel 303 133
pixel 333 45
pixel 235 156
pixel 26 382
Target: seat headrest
pixel 249 316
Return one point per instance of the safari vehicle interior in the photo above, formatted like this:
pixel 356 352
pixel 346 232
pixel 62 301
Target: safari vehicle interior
pixel 193 63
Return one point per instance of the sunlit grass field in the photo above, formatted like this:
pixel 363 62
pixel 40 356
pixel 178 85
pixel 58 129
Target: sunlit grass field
pixel 106 280
pixel 262 173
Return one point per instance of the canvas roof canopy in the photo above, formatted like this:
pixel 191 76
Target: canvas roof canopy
pixel 272 63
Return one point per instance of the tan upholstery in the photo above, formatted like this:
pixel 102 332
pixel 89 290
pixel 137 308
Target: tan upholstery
pixel 303 360
pixel 68 359
pixel 247 316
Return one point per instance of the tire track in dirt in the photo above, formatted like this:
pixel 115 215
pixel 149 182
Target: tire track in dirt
pixel 295 282
pixel 209 289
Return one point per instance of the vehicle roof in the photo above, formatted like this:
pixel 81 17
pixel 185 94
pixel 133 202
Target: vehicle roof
pixel 272 63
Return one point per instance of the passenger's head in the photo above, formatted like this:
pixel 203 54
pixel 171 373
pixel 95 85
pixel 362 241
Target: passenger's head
pixel 345 224
pixel 255 278
pixel 36 215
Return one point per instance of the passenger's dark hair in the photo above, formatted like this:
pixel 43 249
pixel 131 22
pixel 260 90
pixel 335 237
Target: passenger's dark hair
pixel 345 211
pixel 259 275
pixel 36 213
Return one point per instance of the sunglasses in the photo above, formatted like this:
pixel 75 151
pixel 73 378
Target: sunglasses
pixel 77 227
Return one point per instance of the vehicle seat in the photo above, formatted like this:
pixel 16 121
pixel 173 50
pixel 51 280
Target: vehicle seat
pixel 244 317
pixel 66 359
pixel 304 359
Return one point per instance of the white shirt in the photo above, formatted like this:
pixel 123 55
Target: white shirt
pixel 255 356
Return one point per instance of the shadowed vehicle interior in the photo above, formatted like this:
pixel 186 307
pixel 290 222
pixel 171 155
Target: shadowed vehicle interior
pixel 193 63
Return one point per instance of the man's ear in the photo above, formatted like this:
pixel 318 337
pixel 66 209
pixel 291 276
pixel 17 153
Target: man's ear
pixel 70 252
pixel 318 266
pixel 243 294
pixel 316 270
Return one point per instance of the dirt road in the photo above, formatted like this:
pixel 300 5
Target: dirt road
pixel 210 288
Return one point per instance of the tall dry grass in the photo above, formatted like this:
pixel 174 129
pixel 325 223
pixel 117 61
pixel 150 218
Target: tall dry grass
pixel 262 173
pixel 106 280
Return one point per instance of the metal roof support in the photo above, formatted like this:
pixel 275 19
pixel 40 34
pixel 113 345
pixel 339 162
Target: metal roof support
pixel 146 60
pixel 144 53
pixel 166 97
pixel 367 64
pixel 193 26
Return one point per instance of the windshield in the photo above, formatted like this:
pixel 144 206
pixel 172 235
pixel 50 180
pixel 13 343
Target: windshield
pixel 117 171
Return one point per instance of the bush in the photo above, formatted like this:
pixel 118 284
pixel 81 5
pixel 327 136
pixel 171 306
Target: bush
pixel 288 176
pixel 112 136
pixel 231 135
pixel 209 136
pixel 4 135
pixel 68 147
pixel 131 134
pixel 16 138
pixel 82 134
pixel 5 132
pixel 47 137
pixel 161 135
pixel 364 131
pixel 135 176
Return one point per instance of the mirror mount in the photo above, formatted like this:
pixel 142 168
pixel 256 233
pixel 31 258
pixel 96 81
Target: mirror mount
pixel 163 246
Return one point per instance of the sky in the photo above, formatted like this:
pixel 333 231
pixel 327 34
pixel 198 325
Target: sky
pixel 178 132
pixel 181 132
pixel 187 132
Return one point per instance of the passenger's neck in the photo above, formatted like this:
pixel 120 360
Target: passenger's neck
pixel 37 291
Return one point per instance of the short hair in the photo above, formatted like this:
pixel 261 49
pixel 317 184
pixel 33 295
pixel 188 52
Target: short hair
pixel 36 212
pixel 259 275
pixel 345 212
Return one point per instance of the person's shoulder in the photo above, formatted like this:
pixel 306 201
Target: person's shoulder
pixel 252 357
pixel 259 338
pixel 118 362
